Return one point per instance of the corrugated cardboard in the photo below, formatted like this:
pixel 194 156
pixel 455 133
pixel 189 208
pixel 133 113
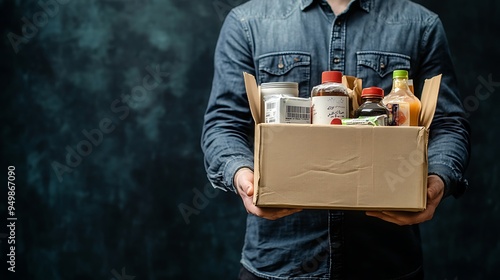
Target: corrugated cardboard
pixel 341 167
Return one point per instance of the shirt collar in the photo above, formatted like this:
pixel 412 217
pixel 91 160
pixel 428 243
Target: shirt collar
pixel 364 4
pixel 305 3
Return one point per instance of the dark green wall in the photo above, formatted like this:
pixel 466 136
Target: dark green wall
pixel 81 79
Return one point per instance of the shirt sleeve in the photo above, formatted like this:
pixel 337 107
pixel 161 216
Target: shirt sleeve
pixel 227 136
pixel 449 139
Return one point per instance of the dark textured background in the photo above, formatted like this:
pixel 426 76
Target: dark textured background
pixel 117 212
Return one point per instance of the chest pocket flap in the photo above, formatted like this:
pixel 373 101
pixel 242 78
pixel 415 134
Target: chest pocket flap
pixel 286 67
pixel 383 63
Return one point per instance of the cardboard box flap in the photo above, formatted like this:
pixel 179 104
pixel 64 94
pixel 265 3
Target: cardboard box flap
pixel 429 99
pixel 253 94
pixel 354 88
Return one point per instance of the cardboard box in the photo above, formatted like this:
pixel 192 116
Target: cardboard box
pixel 341 167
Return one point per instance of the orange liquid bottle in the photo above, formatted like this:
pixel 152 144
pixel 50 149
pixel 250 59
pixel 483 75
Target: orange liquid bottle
pixel 404 107
pixel 410 86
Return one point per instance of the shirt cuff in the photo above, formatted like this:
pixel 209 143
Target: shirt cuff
pixel 232 166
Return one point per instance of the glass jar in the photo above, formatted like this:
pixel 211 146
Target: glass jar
pixel 330 99
pixel 372 103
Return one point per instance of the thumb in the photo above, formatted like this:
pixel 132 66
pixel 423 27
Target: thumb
pixel 244 180
pixel 249 188
pixel 435 186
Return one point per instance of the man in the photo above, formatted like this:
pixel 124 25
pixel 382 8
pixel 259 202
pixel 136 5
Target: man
pixel 285 40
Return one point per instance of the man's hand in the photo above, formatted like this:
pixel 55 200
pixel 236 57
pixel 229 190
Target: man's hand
pixel 243 181
pixel 435 192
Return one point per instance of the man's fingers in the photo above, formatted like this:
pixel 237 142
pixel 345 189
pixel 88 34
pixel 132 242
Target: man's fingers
pixel 435 192
pixel 385 217
pixel 403 218
pixel 274 214
pixel 243 181
pixel 268 213
pixel 399 219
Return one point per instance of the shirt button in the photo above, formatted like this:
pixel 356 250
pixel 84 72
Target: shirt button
pixel 338 23
pixel 382 65
pixel 336 60
pixel 280 65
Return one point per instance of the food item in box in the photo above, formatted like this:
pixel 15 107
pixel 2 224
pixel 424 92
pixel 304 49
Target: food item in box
pixel 268 90
pixel 373 121
pixel 404 107
pixel 372 103
pixel 285 109
pixel 279 88
pixel 330 99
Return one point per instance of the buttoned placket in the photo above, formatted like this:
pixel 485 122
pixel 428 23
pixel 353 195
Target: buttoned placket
pixel 336 242
pixel 336 218
pixel 338 44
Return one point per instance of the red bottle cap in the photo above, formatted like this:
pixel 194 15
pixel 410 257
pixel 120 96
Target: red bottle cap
pixel 336 121
pixel 372 92
pixel 331 77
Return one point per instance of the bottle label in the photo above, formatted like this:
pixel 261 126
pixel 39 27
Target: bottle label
pixel 399 114
pixel 327 108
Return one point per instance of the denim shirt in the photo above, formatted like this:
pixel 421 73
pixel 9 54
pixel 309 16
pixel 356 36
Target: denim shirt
pixel 285 40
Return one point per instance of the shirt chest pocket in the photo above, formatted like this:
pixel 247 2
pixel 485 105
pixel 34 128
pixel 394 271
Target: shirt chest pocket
pixel 286 67
pixel 376 67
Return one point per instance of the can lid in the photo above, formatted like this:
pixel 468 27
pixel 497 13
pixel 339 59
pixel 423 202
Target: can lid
pixel 400 74
pixel 331 77
pixel 373 92
pixel 274 85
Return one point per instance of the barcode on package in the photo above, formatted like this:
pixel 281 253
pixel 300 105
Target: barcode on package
pixel 298 112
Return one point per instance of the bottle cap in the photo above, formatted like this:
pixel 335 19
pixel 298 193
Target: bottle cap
pixel 400 74
pixel 372 92
pixel 331 77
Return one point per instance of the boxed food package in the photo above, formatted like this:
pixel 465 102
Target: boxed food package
pixel 286 109
pixel 341 167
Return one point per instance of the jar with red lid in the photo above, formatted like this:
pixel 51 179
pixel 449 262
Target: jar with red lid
pixel 330 100
pixel 372 103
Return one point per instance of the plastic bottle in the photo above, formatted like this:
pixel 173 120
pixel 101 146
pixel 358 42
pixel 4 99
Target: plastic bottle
pixel 330 99
pixel 404 107
pixel 372 103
